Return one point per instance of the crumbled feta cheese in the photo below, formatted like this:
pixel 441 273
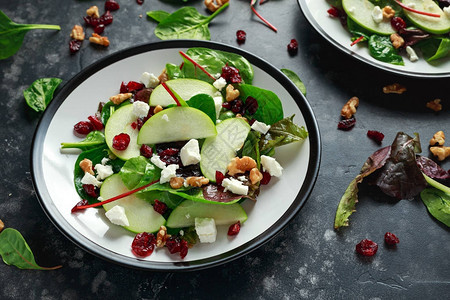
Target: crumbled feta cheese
pixel 351 9
pixel 117 216
pixel 181 232
pixel 157 161
pixel 140 109
pixel 411 54
pixel 218 101
pixel 271 165
pixel 104 160
pixel 165 117
pixel 168 172
pixel 206 230
pixel 90 179
pixel 103 171
pixel 242 178
pixel 190 153
pixel 149 80
pixel 377 14
pixel 217 75
pixel 447 11
pixel 220 83
pixel 100 198
pixel 235 186
pixel 188 216
pixel 260 127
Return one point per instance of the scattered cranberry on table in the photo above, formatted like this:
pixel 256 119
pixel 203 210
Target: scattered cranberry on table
pixel 391 239
pixel 367 247
pixel 292 47
pixel 241 36
pixel 347 124
pixel 375 135
pixel 140 2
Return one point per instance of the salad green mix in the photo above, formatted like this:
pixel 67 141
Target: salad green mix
pixel 171 157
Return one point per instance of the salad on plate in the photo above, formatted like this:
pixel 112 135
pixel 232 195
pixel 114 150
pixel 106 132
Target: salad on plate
pixel 171 157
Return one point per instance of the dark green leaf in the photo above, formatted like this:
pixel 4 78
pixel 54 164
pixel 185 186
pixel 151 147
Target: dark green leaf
pixel 251 146
pixel 15 251
pixel 356 30
pixel 39 94
pixel 381 48
pixel 12 34
pixel 270 109
pixel 173 71
pixel 169 199
pixel 186 23
pixel 138 171
pixel 92 140
pixel 284 132
pixel 205 103
pixel 437 203
pixel 109 108
pixel 295 79
pixel 158 15
pixel 435 48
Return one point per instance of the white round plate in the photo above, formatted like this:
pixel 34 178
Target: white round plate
pixel 331 29
pixel 52 170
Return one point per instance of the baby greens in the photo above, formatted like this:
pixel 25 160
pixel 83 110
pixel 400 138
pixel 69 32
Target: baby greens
pixel 380 47
pixel 295 79
pixel 15 251
pixel 40 93
pixel 92 140
pixel 437 203
pixel 12 34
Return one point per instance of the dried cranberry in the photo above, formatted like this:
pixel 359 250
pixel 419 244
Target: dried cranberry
pixel 134 86
pixel 111 5
pixel 99 29
pixel 227 105
pixel 334 12
pixel 91 21
pixel 241 36
pixel 123 88
pixel 91 190
pixel 375 135
pixel 266 178
pixel 143 244
pixel 391 239
pixel 121 141
pixel 184 248
pixel 292 47
pixel 231 74
pixel 143 95
pixel 140 2
pixel 347 124
pixel 234 228
pixel 237 106
pixel 137 124
pixel 146 151
pixel 367 247
pixel 80 203
pixel 251 105
pixel 398 23
pixel 83 127
pixel 169 152
pixel 173 244
pixel 106 18
pixel 219 177
pixel 98 125
pixel 74 45
pixel 160 207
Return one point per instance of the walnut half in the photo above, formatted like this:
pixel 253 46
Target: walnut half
pixel 2 225
pixel 349 109
pixel 438 139
pixel 162 237
pixel 241 165
pixel 440 152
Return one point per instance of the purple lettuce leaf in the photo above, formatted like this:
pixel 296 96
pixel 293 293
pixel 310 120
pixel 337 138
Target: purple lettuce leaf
pixel 430 168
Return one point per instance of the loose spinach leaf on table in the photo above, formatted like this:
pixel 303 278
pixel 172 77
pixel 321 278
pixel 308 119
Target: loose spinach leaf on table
pixel 435 48
pixel 12 34
pixel 158 15
pixel 380 48
pixel 295 79
pixel 186 23
pixel 39 94
pixel 92 140
pixel 269 109
pixel 15 251
pixel 437 203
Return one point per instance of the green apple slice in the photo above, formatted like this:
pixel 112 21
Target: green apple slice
pixel 218 151
pixel 140 213
pixel 431 24
pixel 184 214
pixel 173 124
pixel 120 122
pixel 184 87
pixel 360 11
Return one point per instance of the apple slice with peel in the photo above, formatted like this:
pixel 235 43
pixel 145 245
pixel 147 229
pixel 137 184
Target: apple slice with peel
pixel 173 124
pixel 218 151
pixel 184 87
pixel 434 25
pixel 140 213
pixel 184 214
pixel 120 122
pixel 360 11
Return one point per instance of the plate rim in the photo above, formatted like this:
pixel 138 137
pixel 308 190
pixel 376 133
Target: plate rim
pixel 312 21
pixel 81 241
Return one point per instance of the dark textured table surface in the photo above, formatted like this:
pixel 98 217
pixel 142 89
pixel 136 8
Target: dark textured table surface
pixel 307 260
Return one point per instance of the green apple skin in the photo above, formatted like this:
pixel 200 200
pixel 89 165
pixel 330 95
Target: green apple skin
pixel 184 87
pixel 431 24
pixel 184 214
pixel 173 124
pixel 360 11
pixel 218 151
pixel 140 213
pixel 120 122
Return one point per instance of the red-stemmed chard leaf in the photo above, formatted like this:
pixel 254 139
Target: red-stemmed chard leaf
pixel 197 65
pixel 406 7
pixel 357 40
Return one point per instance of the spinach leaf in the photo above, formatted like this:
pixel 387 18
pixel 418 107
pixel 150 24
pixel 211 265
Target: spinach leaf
pixel 174 72
pixel 15 251
pixel 138 171
pixel 158 15
pixel 92 140
pixel 169 199
pixel 283 132
pixel 205 103
pixel 437 203
pixel 39 94
pixel 186 23
pixel 380 48
pixel 214 60
pixel 356 30
pixel 12 34
pixel 295 79
pixel 251 147
pixel 269 109
pixel 435 48
pixel 109 108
